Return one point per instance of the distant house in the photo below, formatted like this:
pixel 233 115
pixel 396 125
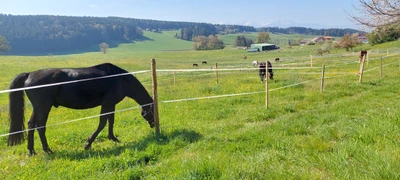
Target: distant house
pixel 322 39
pixel 362 38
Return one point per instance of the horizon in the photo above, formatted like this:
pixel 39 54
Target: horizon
pixel 315 14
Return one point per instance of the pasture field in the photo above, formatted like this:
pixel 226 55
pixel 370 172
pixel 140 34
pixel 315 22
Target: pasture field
pixel 348 131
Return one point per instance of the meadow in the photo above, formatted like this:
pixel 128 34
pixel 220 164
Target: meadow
pixel 347 131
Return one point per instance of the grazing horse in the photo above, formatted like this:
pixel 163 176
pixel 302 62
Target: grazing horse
pixel 204 62
pixel 254 63
pixel 195 65
pixel 276 59
pixel 76 88
pixel 262 71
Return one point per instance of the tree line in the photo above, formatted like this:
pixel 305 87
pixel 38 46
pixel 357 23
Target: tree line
pixel 27 34
pixel 48 34
pixel 309 31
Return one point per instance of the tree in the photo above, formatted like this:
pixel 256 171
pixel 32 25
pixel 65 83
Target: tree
pixel 376 13
pixel 4 44
pixel 262 37
pixel 348 41
pixel 208 43
pixel 243 41
pixel 384 34
pixel 103 47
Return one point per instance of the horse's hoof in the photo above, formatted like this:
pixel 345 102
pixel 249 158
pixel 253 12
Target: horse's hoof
pixel 32 152
pixel 113 139
pixel 48 151
pixel 87 147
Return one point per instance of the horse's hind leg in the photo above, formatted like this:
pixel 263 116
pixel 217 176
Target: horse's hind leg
pixel 31 133
pixel 41 117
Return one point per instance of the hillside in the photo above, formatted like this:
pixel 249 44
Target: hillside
pixel 48 34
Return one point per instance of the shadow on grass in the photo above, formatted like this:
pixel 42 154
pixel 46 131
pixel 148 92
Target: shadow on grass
pixel 185 136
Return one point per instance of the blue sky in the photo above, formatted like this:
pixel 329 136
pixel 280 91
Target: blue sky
pixel 310 13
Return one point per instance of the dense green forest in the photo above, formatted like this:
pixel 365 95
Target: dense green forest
pixel 309 31
pixel 43 34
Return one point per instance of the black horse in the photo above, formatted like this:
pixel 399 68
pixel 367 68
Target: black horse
pixel 92 89
pixel 204 62
pixel 262 71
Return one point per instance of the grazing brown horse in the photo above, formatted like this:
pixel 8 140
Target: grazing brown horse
pixel 89 89
pixel 195 65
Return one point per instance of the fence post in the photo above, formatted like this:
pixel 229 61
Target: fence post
pixel 361 68
pixel 216 71
pixel 174 78
pixel 322 78
pixel 155 97
pixel 266 85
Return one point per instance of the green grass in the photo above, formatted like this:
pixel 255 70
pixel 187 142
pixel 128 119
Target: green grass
pixel 350 131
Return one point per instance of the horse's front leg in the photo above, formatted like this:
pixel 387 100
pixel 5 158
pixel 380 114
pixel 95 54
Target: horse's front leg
pixel 102 124
pixel 111 135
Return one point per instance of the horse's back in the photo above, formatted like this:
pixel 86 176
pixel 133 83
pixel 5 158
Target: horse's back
pixel 87 89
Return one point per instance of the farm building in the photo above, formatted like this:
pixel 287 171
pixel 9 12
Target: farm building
pixel 264 46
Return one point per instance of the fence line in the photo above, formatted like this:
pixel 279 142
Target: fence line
pixel 166 101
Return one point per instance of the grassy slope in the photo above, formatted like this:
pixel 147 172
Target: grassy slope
pixel 348 132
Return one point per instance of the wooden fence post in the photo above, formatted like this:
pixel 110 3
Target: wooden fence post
pixel 361 68
pixel 174 78
pixel 266 84
pixel 216 71
pixel 322 78
pixel 155 97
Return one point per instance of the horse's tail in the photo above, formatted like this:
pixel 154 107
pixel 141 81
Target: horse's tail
pixel 17 107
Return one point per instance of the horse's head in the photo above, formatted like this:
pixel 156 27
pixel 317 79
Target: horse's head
pixel 148 114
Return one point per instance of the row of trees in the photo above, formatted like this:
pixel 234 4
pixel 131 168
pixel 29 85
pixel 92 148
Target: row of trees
pixel 309 31
pixel 48 34
pixel 208 43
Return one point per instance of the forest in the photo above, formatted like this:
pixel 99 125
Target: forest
pixel 46 34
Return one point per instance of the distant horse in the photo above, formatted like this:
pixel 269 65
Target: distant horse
pixel 361 54
pixel 204 62
pixel 90 90
pixel 262 71
pixel 195 65
pixel 276 59
pixel 254 63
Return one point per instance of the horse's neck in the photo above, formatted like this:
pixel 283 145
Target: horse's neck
pixel 136 91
